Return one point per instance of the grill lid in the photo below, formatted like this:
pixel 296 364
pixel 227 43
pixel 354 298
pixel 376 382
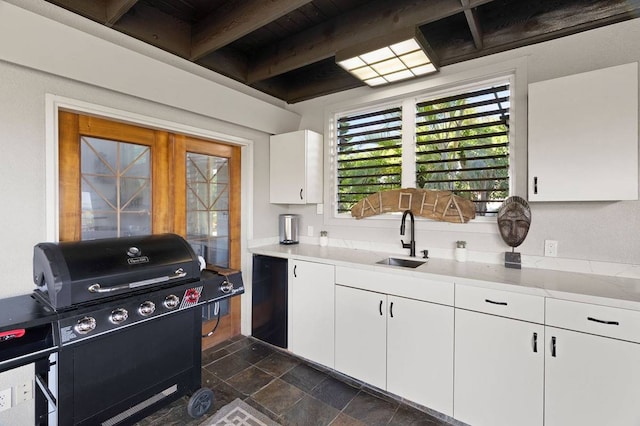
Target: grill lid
pixel 77 272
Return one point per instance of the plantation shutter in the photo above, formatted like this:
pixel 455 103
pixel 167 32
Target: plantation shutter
pixel 369 155
pixel 462 145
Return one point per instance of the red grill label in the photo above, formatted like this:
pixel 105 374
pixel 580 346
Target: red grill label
pixel 191 297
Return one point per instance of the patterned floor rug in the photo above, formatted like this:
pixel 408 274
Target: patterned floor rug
pixel 239 413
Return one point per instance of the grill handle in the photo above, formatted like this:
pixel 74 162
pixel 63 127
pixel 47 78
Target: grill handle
pixel 180 273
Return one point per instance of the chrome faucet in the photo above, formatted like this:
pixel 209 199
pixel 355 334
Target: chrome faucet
pixel 412 245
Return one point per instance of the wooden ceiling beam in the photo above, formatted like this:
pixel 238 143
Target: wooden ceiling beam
pixel 349 29
pixel 156 28
pixel 552 25
pixel 114 9
pixel 91 9
pixel 218 30
pixel 471 14
pixel 228 63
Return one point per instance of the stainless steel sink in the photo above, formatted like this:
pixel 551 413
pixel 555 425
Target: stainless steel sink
pixel 405 263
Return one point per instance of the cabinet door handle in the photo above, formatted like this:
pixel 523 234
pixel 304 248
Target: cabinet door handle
pixel 380 308
pixel 553 346
pixel 603 321
pixel 534 342
pixel 535 184
pixel 301 193
pixel 493 302
pixel 391 309
pixel 295 269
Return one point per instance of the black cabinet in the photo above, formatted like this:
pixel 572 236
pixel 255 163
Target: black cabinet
pixel 269 300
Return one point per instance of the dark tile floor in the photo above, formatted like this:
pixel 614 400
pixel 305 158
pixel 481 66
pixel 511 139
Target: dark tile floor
pixel 289 390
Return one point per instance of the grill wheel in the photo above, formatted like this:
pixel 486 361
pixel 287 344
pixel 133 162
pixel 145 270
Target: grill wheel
pixel 200 402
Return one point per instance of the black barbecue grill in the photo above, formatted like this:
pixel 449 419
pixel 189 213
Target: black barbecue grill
pixel 127 325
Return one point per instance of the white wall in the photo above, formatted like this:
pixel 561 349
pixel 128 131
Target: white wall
pixel 39 57
pixel 23 88
pixel 594 231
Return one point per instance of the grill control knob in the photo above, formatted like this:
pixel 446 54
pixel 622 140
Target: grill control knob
pixel 226 287
pixel 146 308
pixel 118 315
pixel 171 301
pixel 85 325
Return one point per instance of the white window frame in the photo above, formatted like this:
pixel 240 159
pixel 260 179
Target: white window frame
pixel 513 71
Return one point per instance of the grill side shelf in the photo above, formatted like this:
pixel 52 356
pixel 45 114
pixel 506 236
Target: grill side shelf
pixel 26 328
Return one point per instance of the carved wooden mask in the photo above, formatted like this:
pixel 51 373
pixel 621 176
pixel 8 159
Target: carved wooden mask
pixel 514 220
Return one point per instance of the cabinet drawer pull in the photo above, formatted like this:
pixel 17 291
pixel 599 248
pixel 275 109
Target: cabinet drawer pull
pixel 391 309
pixel 553 346
pixel 301 193
pixel 603 321
pixel 295 268
pixel 380 308
pixel 534 342
pixel 493 302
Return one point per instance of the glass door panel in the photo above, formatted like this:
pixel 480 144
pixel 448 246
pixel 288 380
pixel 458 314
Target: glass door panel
pixel 207 206
pixel 115 188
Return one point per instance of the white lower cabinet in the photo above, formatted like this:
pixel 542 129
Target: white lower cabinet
pixel 420 352
pixel 361 335
pixel 591 380
pixel 310 323
pixel 499 370
pixel 499 357
pixel 399 344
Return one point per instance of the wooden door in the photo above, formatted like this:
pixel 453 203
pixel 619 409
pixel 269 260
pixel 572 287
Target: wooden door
pixel 118 179
pixel 206 185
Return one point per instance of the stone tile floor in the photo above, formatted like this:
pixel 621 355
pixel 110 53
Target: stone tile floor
pixel 289 390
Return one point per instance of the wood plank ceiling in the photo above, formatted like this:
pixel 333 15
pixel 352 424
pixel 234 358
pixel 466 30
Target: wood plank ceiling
pixel 286 48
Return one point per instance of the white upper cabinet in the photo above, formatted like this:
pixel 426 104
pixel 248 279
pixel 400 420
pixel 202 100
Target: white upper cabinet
pixel 583 136
pixel 295 168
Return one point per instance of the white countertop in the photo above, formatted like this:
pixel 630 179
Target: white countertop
pixel 580 287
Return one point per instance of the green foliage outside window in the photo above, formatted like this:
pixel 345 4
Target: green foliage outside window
pixel 462 145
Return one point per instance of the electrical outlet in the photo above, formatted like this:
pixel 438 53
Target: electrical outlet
pixel 5 399
pixel 551 248
pixel 310 231
pixel 23 392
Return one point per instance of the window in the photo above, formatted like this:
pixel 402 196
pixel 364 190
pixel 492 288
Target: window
pixel 462 146
pixel 369 154
pixel 458 142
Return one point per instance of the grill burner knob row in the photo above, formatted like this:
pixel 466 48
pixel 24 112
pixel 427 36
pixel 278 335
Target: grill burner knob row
pixel 171 301
pixel 118 315
pixel 85 325
pixel 146 308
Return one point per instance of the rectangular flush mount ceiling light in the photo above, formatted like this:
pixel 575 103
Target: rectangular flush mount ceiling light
pixel 393 57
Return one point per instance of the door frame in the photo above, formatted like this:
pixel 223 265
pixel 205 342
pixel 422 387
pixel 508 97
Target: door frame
pixel 54 103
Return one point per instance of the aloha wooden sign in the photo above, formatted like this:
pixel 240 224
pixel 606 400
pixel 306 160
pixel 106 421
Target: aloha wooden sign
pixel 437 205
